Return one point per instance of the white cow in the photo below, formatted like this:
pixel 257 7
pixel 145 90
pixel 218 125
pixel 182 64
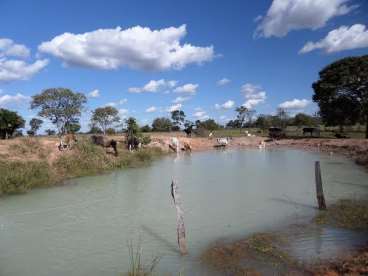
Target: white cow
pixel 175 143
pixel 223 141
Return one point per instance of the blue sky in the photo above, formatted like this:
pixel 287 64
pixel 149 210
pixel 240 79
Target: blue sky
pixel 172 54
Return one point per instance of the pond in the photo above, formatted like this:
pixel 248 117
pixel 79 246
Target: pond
pixel 83 228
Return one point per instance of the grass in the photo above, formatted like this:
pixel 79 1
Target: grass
pixel 350 214
pixel 20 176
pixel 85 159
pixel 137 268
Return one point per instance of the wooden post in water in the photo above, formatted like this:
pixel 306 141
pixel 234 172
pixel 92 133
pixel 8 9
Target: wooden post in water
pixel 319 188
pixel 179 218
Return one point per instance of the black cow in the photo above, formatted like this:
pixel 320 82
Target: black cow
pixel 188 131
pixel 310 130
pixel 104 142
pixel 133 143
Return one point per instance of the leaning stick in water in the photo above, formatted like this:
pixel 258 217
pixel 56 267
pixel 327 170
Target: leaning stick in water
pixel 179 219
pixel 319 188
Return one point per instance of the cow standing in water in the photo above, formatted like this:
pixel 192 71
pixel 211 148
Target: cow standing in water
pixel 104 142
pixel 67 141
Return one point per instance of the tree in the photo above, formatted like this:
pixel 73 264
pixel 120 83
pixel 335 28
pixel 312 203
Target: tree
pixel 161 124
pixel 244 115
pixel 72 127
pixel 146 128
pixel 35 125
pixel 209 124
pixel 61 106
pixel 95 130
pixel 50 132
pixel 302 119
pixel 283 117
pixel 132 128
pixel 178 117
pixel 342 92
pixel 104 117
pixel 10 121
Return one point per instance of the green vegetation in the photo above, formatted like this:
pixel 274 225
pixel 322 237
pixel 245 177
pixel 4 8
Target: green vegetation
pixel 104 117
pixel 61 106
pixel 20 176
pixel 85 159
pixel 9 122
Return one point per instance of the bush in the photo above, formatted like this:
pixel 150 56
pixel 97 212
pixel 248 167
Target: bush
pixel 146 140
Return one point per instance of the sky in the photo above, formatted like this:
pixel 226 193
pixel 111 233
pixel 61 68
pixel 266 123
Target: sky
pixel 147 58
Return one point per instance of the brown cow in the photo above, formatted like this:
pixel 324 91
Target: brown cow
pixel 104 142
pixel 67 141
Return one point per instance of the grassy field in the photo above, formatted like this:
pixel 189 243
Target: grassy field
pixel 20 175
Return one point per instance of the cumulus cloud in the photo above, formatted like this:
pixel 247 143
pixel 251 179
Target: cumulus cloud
pixel 12 70
pixel 94 93
pixel 123 113
pixel 174 107
pixel 17 69
pixel 137 48
pixel 154 86
pixel 343 38
pixel 180 99
pixel 226 105
pixel 188 88
pixel 6 100
pixel 9 48
pixel 253 94
pixel 151 109
pixel 295 104
pixel 201 115
pixel 287 15
pixel 222 82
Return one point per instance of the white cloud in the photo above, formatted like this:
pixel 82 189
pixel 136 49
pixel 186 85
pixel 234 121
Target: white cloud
pixel 16 69
pixel 223 82
pixel 201 115
pixel 151 109
pixel 343 38
pixel 174 107
pixel 123 113
pixel 119 102
pixel 136 48
pixel 287 15
pixel 9 48
pixel 295 104
pixel 94 93
pixel 180 99
pixel 253 94
pixel 154 86
pixel 17 99
pixel 226 105
pixel 188 88
pixel 11 70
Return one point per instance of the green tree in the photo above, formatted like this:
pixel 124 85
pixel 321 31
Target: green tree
pixel 178 117
pixel 146 128
pixel 133 129
pixel 73 127
pixel 282 116
pixel 244 115
pixel 35 125
pixel 302 119
pixel 104 117
pixel 61 106
pixel 161 124
pixel 342 92
pixel 209 124
pixel 10 121
pixel 50 132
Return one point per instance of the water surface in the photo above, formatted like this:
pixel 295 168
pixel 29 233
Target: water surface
pixel 83 228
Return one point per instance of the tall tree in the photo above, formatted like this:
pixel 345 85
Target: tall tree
pixel 283 116
pixel 342 92
pixel 244 115
pixel 104 117
pixel 35 125
pixel 178 117
pixel 10 121
pixel 132 128
pixel 161 124
pixel 61 106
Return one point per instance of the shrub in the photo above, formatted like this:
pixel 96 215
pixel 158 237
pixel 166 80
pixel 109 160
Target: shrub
pixel 146 140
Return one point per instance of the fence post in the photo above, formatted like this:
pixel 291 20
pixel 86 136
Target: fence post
pixel 319 188
pixel 179 218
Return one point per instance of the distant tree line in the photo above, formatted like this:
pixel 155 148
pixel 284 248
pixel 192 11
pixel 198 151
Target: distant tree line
pixel 341 93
